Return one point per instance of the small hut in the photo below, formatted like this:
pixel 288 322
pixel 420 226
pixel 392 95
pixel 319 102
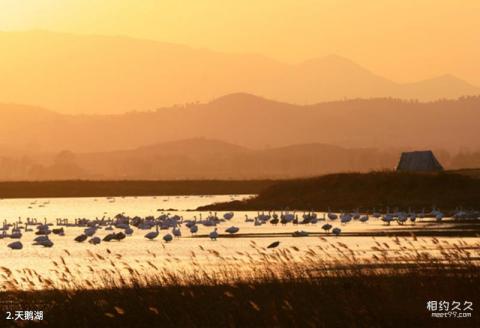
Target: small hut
pixel 419 161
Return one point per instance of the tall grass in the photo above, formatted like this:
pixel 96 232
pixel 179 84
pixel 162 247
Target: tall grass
pixel 327 284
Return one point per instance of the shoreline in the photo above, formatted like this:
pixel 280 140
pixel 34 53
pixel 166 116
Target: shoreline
pixel 364 192
pixel 129 188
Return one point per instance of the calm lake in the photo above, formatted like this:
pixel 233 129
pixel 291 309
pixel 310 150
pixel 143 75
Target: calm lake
pixel 136 250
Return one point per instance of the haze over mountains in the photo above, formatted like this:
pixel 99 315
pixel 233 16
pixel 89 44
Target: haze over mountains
pixel 201 158
pixel 95 74
pixel 249 121
pixel 94 107
pixel 208 159
pixel 238 136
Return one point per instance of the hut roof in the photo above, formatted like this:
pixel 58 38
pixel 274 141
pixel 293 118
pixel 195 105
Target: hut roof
pixel 419 161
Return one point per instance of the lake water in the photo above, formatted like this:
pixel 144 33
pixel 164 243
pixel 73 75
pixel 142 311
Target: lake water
pixel 137 250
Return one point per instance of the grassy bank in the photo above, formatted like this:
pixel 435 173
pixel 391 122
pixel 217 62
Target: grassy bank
pixel 80 188
pixel 348 191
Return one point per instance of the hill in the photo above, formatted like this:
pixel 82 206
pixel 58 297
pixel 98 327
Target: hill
pixel 366 192
pixel 211 159
pixel 198 159
pixel 253 122
pixel 98 74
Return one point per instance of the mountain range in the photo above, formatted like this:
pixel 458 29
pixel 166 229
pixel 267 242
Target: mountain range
pixel 250 121
pixel 98 74
pixel 197 158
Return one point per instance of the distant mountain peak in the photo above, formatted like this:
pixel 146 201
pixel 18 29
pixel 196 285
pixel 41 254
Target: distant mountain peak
pixel 333 59
pixel 449 78
pixel 118 74
pixel 448 85
pixel 240 98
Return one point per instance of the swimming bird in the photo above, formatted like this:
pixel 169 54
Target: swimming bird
pixel 90 231
pixel 300 233
pixel 332 216
pixel 439 216
pixel 193 229
pixel 45 242
pixel 59 231
pixel 247 219
pixel 336 231
pixel 275 220
pixel 402 218
pixel 413 218
pixel 327 227
pixel 17 234
pixel 81 238
pixel 15 245
pixel 231 230
pixel 345 218
pixel 95 240
pixel 364 218
pixel 168 238
pixel 109 237
pixel 213 235
pixel 387 218
pixel 152 234
pixel 274 244
pixel 119 236
pixel 40 239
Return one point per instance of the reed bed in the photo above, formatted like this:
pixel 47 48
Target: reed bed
pixel 320 285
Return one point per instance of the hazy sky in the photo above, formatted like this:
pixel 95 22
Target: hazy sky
pixel 404 40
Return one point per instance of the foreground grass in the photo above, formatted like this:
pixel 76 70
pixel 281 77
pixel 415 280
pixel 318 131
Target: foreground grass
pixel 369 301
pixel 383 290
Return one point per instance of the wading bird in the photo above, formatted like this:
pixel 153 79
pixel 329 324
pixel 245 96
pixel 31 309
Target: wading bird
pixel 327 227
pixel 213 235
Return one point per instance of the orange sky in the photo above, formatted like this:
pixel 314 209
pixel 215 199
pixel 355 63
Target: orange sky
pixel 404 40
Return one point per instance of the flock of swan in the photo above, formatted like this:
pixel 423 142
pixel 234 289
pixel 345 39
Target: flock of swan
pixel 122 226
